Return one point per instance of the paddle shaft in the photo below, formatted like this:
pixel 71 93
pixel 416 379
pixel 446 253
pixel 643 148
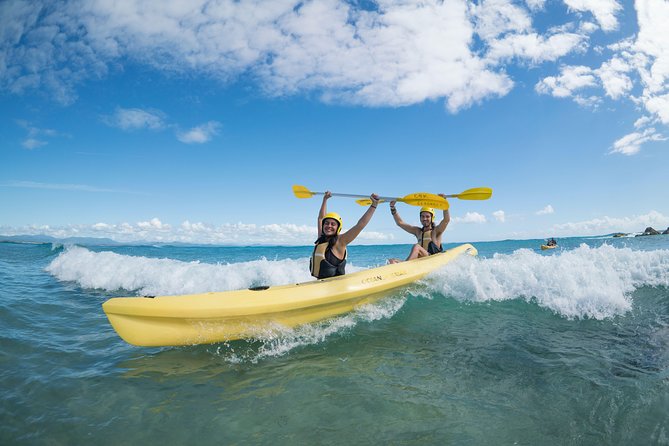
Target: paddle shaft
pixel 334 194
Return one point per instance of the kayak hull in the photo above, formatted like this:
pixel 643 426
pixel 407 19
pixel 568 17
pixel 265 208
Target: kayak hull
pixel 545 247
pixel 225 316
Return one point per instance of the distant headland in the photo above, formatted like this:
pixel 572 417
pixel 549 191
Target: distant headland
pixel 650 231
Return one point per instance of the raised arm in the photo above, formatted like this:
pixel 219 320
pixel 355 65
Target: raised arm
pixel 441 227
pixel 399 222
pixel 323 211
pixel 350 235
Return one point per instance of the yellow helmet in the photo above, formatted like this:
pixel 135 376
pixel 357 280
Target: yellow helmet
pixel 334 216
pixel 430 210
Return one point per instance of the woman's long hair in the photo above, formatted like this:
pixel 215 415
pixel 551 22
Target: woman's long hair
pixel 332 239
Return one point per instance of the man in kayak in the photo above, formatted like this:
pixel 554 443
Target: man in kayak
pixel 329 256
pixel 428 236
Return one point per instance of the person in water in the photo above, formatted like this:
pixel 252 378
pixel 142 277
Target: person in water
pixel 329 256
pixel 428 236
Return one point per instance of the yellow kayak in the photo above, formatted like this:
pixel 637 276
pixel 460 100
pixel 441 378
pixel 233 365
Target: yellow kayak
pixel 545 247
pixel 225 316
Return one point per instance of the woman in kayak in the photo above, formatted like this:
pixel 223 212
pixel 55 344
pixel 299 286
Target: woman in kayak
pixel 329 256
pixel 428 236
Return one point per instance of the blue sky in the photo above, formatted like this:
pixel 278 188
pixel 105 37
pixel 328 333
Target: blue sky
pixel 190 121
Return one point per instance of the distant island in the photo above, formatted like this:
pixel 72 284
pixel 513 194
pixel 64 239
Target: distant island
pixel 43 239
pixel 650 231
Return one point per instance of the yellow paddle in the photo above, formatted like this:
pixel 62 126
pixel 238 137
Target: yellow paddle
pixel 476 193
pixel 415 199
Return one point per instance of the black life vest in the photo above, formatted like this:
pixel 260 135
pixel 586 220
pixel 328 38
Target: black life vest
pixel 425 240
pixel 324 263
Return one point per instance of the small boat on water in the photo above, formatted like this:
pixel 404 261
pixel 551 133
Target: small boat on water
pixel 225 316
pixel 551 243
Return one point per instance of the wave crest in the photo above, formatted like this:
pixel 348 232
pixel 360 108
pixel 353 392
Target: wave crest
pixel 582 283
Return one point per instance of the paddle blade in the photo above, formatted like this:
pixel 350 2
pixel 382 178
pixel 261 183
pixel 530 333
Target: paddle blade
pixel 436 204
pixel 417 199
pixel 441 204
pixel 477 193
pixel 367 201
pixel 302 192
pixel 426 199
pixel 423 196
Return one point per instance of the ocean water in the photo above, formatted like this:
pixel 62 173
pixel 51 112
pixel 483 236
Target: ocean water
pixel 516 346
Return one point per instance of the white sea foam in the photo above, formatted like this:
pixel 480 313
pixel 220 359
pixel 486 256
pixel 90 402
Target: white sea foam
pixel 582 283
pixel 150 276
pixel 279 340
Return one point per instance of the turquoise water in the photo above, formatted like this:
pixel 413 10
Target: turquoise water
pixel 517 346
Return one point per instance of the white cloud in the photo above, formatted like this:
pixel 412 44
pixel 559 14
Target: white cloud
pixel 658 105
pixel 101 227
pixel 470 217
pixel 135 119
pixel 535 47
pixel 499 216
pixel 642 62
pixel 31 141
pixel 546 211
pixel 397 54
pixel 589 101
pixel 631 144
pixel 588 27
pixel 535 5
pixel 604 11
pixel 614 78
pixel 200 134
pixel 153 224
pixel 571 78
pixel 643 122
pixel 606 225
pixel 155 230
pixel 496 17
pixel 653 42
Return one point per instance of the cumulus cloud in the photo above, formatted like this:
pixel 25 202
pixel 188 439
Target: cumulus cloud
pixel 640 62
pixel 394 54
pixel 534 47
pixel 497 17
pixel 154 230
pixel 135 119
pixel 607 224
pixel 546 211
pixel 470 217
pixel 500 216
pixel 199 134
pixel 604 11
pixel 387 53
pixel 631 144
pixel 154 224
pixel 643 122
pixel 571 78
pixel 535 5
pixel 614 78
